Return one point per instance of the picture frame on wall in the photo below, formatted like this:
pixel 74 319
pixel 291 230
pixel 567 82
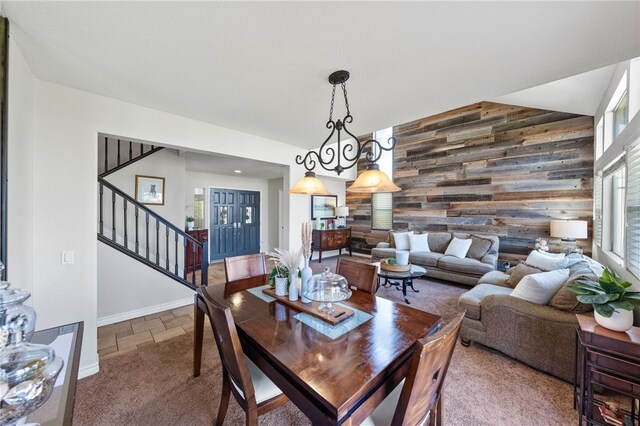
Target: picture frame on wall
pixel 150 190
pixel 323 206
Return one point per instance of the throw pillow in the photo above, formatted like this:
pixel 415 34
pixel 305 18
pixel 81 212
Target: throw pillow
pixel 401 240
pixel 479 247
pixel 458 248
pixel 565 299
pixel 519 272
pixel 419 243
pixel 548 261
pixel 540 288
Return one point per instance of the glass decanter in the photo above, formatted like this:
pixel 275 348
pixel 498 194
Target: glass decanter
pixel 11 310
pixel 28 374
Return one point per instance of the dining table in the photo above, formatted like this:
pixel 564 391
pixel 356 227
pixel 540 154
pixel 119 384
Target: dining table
pixel 336 375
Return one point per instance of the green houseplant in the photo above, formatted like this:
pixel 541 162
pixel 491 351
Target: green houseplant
pixel 611 300
pixel 191 221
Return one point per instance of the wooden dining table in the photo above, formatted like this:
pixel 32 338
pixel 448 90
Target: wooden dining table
pixel 332 381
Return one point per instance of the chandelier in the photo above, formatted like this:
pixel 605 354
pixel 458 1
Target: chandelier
pixel 345 155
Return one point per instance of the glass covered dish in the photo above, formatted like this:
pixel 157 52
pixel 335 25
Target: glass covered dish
pixel 328 288
pixel 12 310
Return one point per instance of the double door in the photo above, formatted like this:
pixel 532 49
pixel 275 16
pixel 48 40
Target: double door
pixel 234 223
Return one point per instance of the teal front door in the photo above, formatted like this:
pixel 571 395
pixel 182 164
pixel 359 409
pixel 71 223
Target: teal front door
pixel 234 223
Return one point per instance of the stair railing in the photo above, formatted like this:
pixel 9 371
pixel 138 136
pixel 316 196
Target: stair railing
pixel 116 154
pixel 141 233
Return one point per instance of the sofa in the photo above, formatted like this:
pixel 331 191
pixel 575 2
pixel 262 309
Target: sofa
pixel 465 270
pixel 542 336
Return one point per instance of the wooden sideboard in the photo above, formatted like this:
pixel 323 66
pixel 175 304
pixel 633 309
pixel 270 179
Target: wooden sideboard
pixel 193 260
pixel 609 360
pixel 331 239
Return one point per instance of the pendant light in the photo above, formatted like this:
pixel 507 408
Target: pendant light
pixel 344 156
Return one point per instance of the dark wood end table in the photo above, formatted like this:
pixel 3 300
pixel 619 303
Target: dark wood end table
pixel 400 280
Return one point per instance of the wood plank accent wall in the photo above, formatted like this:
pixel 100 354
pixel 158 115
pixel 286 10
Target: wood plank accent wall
pixel 491 169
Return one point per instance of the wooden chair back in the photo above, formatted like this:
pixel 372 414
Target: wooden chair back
pixel 423 385
pixel 361 275
pixel 230 349
pixel 243 272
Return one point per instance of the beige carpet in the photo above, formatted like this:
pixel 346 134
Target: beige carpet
pixel 154 386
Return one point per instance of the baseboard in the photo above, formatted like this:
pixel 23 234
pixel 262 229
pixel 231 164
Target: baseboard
pixel 124 316
pixel 88 370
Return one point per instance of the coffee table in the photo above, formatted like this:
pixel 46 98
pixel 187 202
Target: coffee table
pixel 400 280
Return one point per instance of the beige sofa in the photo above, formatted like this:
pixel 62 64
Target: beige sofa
pixel 465 271
pixel 542 336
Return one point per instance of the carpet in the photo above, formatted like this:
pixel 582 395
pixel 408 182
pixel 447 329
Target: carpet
pixel 154 386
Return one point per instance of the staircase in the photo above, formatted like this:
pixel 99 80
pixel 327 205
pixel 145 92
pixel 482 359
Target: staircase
pixel 137 231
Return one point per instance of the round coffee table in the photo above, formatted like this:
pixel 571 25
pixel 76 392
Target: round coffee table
pixel 400 280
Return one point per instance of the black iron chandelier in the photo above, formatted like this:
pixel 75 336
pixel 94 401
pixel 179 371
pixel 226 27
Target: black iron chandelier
pixel 344 157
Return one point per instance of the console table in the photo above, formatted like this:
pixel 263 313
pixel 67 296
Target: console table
pixel 66 340
pixel 331 239
pixel 193 259
pixel 610 360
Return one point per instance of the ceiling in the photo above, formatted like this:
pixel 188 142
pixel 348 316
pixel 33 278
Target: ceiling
pixel 226 165
pixel 261 67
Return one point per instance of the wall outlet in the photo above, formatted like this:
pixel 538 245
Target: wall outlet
pixel 67 257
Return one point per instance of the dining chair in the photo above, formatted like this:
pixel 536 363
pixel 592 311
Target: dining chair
pixel 243 272
pixel 363 276
pixel 251 388
pixel 419 398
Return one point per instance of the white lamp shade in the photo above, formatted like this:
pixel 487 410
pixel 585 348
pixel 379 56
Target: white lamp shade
pixel 342 211
pixel 569 229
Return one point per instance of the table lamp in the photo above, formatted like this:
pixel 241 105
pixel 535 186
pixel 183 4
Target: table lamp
pixel 568 231
pixel 342 213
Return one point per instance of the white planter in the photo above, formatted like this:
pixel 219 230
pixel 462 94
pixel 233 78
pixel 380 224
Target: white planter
pixel 402 257
pixel 621 320
pixel 190 225
pixel 282 284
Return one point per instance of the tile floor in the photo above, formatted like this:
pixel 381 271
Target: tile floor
pixel 116 339
pixel 126 336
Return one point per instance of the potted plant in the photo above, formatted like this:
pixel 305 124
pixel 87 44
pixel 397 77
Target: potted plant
pixel 279 279
pixel 289 260
pixel 191 221
pixel 612 303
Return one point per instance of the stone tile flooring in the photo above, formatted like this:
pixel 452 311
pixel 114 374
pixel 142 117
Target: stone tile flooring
pixel 116 339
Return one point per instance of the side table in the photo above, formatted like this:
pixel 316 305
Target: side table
pixel 609 360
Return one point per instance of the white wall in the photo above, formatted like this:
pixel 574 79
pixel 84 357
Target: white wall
pixel 275 185
pixel 21 98
pixel 67 123
pixel 127 288
pixel 208 181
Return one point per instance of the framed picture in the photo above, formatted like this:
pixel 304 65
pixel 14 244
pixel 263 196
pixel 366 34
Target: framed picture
pixel 150 190
pixel 323 206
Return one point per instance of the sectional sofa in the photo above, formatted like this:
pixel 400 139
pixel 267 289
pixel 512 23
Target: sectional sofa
pixel 481 258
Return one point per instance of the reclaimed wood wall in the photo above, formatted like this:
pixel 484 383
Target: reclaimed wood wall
pixel 489 169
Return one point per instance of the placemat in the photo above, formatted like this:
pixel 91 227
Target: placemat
pixel 335 331
pixel 257 291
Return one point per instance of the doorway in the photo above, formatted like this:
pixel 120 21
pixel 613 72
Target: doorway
pixel 234 222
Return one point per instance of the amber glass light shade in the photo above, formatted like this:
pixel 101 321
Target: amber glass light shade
pixel 309 185
pixel 373 180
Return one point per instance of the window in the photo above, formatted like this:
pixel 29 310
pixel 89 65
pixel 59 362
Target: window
pixel 616 116
pixel 614 208
pixel 597 210
pixel 382 202
pixel 633 209
pixel 620 115
pixel 198 208
pixel 382 211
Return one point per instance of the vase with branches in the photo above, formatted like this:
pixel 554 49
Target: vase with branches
pixel 290 260
pixel 306 273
